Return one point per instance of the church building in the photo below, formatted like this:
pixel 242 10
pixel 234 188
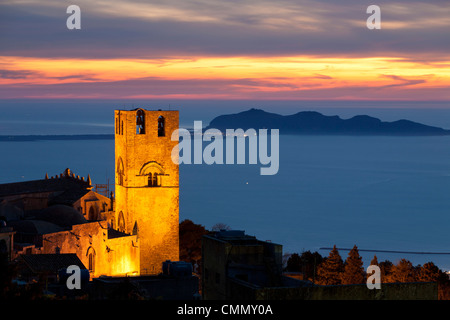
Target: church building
pixel 129 234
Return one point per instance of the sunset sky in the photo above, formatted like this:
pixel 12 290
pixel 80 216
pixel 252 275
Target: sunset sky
pixel 209 49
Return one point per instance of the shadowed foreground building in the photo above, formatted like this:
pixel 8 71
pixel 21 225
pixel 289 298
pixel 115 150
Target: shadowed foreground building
pixel 233 261
pixel 237 266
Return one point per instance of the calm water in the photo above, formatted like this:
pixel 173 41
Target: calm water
pixel 384 193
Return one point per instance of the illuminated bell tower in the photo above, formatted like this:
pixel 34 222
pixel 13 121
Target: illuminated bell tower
pixel 147 184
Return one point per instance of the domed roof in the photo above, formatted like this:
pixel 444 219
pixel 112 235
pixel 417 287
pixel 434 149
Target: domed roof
pixel 61 215
pixel 34 226
pixel 10 211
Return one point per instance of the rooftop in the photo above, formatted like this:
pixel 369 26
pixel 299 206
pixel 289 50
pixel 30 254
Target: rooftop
pixel 63 182
pixel 235 237
pixel 50 262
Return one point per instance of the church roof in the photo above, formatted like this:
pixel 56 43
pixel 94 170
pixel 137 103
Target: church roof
pixel 50 262
pixel 64 182
pixel 67 197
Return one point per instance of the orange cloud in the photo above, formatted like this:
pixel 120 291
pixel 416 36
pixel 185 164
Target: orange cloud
pixel 232 77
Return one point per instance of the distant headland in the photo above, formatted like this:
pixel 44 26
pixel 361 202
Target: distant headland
pixel 315 123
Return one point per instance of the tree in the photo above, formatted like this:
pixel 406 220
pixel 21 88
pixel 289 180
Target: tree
pixel 294 263
pixel 284 260
pixel 429 272
pixel 353 268
pixel 306 263
pixel 374 261
pixel 309 263
pixel 403 271
pixel 191 241
pixel 330 270
pixel 385 269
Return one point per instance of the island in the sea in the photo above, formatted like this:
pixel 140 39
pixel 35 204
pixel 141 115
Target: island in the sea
pixel 315 123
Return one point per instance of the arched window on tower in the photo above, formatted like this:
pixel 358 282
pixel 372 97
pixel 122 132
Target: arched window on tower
pixel 153 180
pixel 150 180
pixel 152 173
pixel 140 122
pixel 120 171
pixel 161 127
pixel 121 222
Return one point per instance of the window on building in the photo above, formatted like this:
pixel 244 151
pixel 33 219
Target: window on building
pixel 140 122
pixel 153 180
pixel 92 214
pixel 120 171
pixel 150 180
pixel 121 222
pixel 90 253
pixel 91 262
pixel 161 127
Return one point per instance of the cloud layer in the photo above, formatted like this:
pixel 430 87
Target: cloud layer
pixel 120 28
pixel 192 48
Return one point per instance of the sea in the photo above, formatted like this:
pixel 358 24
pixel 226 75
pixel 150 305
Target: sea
pixel 389 196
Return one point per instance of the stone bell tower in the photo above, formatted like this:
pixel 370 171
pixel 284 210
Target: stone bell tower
pixel 147 184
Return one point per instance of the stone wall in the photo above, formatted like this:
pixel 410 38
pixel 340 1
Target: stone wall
pixel 116 256
pixel 389 291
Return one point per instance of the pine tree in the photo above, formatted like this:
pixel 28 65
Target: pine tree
pixel 353 269
pixel 374 261
pixel 330 270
